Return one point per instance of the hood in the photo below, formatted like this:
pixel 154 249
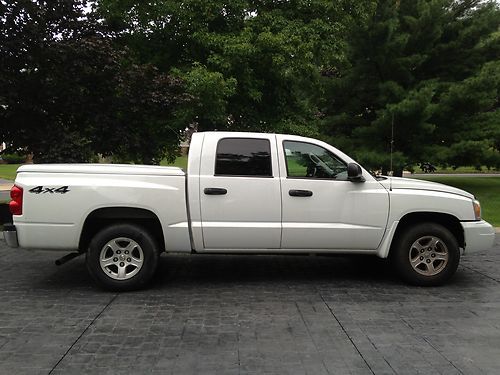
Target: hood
pixel 414 184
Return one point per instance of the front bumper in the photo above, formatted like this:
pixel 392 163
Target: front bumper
pixel 479 235
pixel 10 235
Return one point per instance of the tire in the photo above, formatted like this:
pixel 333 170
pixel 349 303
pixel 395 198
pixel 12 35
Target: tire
pixel 122 257
pixel 426 254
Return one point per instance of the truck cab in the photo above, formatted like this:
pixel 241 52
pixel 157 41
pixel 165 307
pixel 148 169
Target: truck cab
pixel 259 192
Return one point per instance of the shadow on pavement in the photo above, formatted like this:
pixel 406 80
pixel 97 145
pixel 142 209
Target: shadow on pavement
pixel 205 270
pixel 241 269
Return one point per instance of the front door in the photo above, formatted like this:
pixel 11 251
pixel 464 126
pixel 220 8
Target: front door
pixel 322 209
pixel 240 193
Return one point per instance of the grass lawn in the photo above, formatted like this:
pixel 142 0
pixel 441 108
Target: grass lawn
pixel 8 171
pixel 181 162
pixel 450 170
pixel 486 189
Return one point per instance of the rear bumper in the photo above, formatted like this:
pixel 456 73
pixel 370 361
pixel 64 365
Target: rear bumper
pixel 479 235
pixel 10 235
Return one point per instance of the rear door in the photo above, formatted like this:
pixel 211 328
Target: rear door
pixel 240 195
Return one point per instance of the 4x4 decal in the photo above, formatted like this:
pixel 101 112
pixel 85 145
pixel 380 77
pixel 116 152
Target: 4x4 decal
pixel 51 190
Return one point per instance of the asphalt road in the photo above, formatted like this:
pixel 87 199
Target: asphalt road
pixel 249 315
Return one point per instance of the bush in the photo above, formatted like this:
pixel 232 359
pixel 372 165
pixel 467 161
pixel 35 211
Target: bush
pixel 13 158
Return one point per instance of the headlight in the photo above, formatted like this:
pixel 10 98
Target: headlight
pixel 477 209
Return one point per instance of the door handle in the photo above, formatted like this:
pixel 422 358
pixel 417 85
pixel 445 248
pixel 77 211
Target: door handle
pixel 215 191
pixel 300 193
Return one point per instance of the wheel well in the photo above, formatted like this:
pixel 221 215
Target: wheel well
pixel 450 222
pixel 104 217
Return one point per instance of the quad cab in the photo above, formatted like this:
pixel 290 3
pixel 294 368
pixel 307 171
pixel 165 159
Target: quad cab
pixel 243 193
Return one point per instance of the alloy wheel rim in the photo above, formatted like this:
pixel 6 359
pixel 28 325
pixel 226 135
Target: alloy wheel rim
pixel 121 258
pixel 428 255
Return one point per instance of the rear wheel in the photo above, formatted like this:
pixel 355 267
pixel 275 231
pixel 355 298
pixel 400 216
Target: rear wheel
pixel 122 257
pixel 426 254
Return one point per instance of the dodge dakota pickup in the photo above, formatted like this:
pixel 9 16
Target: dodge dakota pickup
pixel 243 193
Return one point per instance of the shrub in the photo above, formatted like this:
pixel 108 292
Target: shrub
pixel 13 158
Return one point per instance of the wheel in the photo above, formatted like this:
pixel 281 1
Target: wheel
pixel 122 257
pixel 426 254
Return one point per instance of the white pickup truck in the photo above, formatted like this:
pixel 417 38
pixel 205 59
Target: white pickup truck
pixel 243 193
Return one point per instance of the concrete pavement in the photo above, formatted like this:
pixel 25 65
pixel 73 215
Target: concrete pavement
pixel 222 314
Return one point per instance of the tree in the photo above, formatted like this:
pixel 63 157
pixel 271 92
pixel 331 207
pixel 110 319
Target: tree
pixel 252 65
pixel 426 71
pixel 67 91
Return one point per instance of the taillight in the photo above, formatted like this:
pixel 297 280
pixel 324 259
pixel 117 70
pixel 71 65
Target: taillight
pixel 16 204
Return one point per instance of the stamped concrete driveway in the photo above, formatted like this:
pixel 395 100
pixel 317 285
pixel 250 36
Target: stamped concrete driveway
pixel 249 315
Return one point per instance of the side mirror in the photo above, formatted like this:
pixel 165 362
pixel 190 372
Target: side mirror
pixel 354 173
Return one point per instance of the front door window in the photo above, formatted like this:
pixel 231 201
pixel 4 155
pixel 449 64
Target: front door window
pixel 306 160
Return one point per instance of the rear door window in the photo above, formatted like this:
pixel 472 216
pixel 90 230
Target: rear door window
pixel 243 157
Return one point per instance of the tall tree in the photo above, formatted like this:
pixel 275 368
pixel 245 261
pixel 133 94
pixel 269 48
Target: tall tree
pixel 253 65
pixel 426 72
pixel 67 92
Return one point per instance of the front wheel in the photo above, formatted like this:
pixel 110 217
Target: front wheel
pixel 122 257
pixel 426 254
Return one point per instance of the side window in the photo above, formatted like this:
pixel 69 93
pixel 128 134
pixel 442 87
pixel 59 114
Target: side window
pixel 305 160
pixel 243 157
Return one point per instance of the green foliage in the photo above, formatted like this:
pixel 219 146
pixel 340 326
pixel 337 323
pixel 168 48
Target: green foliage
pixel 251 65
pixel 67 92
pixel 212 91
pixel 472 103
pixel 13 158
pixel 378 162
pixel 426 71
pixel 125 78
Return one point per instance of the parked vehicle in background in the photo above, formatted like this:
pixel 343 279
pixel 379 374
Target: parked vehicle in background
pixel 243 193
pixel 427 167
